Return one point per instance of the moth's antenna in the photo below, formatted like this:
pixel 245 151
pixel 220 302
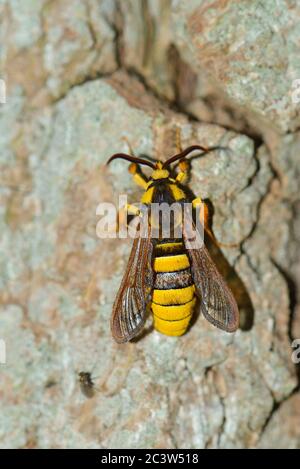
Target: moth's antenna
pixel 184 153
pixel 131 158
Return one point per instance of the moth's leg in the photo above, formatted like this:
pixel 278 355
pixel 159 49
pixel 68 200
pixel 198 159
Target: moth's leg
pixel 138 176
pixel 91 288
pixel 121 217
pixel 178 140
pixel 183 174
pixel 131 152
pixel 128 209
pixel 135 169
pixel 130 227
pixel 132 209
pixel 204 218
pixel 203 211
pixel 219 243
pixel 184 166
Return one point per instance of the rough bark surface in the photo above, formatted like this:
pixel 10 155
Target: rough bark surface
pixel 80 77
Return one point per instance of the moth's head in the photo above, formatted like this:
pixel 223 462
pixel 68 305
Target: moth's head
pixel 159 171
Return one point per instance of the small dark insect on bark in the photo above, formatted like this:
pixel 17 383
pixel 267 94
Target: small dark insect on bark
pixel 86 383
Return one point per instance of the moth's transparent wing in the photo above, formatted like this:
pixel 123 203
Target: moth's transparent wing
pixel 129 309
pixel 218 305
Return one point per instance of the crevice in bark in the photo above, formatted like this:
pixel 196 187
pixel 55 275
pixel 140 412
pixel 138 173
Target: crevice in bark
pixel 83 81
pixel 276 406
pixel 171 420
pixel 292 295
pixel 223 423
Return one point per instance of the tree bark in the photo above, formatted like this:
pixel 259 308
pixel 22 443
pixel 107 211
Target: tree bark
pixel 80 77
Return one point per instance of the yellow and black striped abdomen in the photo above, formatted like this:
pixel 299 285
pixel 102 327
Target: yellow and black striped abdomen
pixel 173 297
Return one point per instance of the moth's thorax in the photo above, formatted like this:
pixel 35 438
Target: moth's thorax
pixel 162 190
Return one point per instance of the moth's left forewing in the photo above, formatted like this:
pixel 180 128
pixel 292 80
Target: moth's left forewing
pixel 129 309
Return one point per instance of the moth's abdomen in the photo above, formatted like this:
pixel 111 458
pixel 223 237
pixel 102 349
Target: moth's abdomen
pixel 173 298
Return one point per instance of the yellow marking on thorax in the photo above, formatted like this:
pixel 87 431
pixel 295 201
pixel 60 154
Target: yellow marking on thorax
pixel 147 196
pixel 182 177
pixel 140 181
pixel 171 263
pixel 177 193
pixel 174 296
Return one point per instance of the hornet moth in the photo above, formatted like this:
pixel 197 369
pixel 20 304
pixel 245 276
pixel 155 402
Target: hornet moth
pixel 164 275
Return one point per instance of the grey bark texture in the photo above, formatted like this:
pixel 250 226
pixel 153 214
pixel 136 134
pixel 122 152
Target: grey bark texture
pixel 80 77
